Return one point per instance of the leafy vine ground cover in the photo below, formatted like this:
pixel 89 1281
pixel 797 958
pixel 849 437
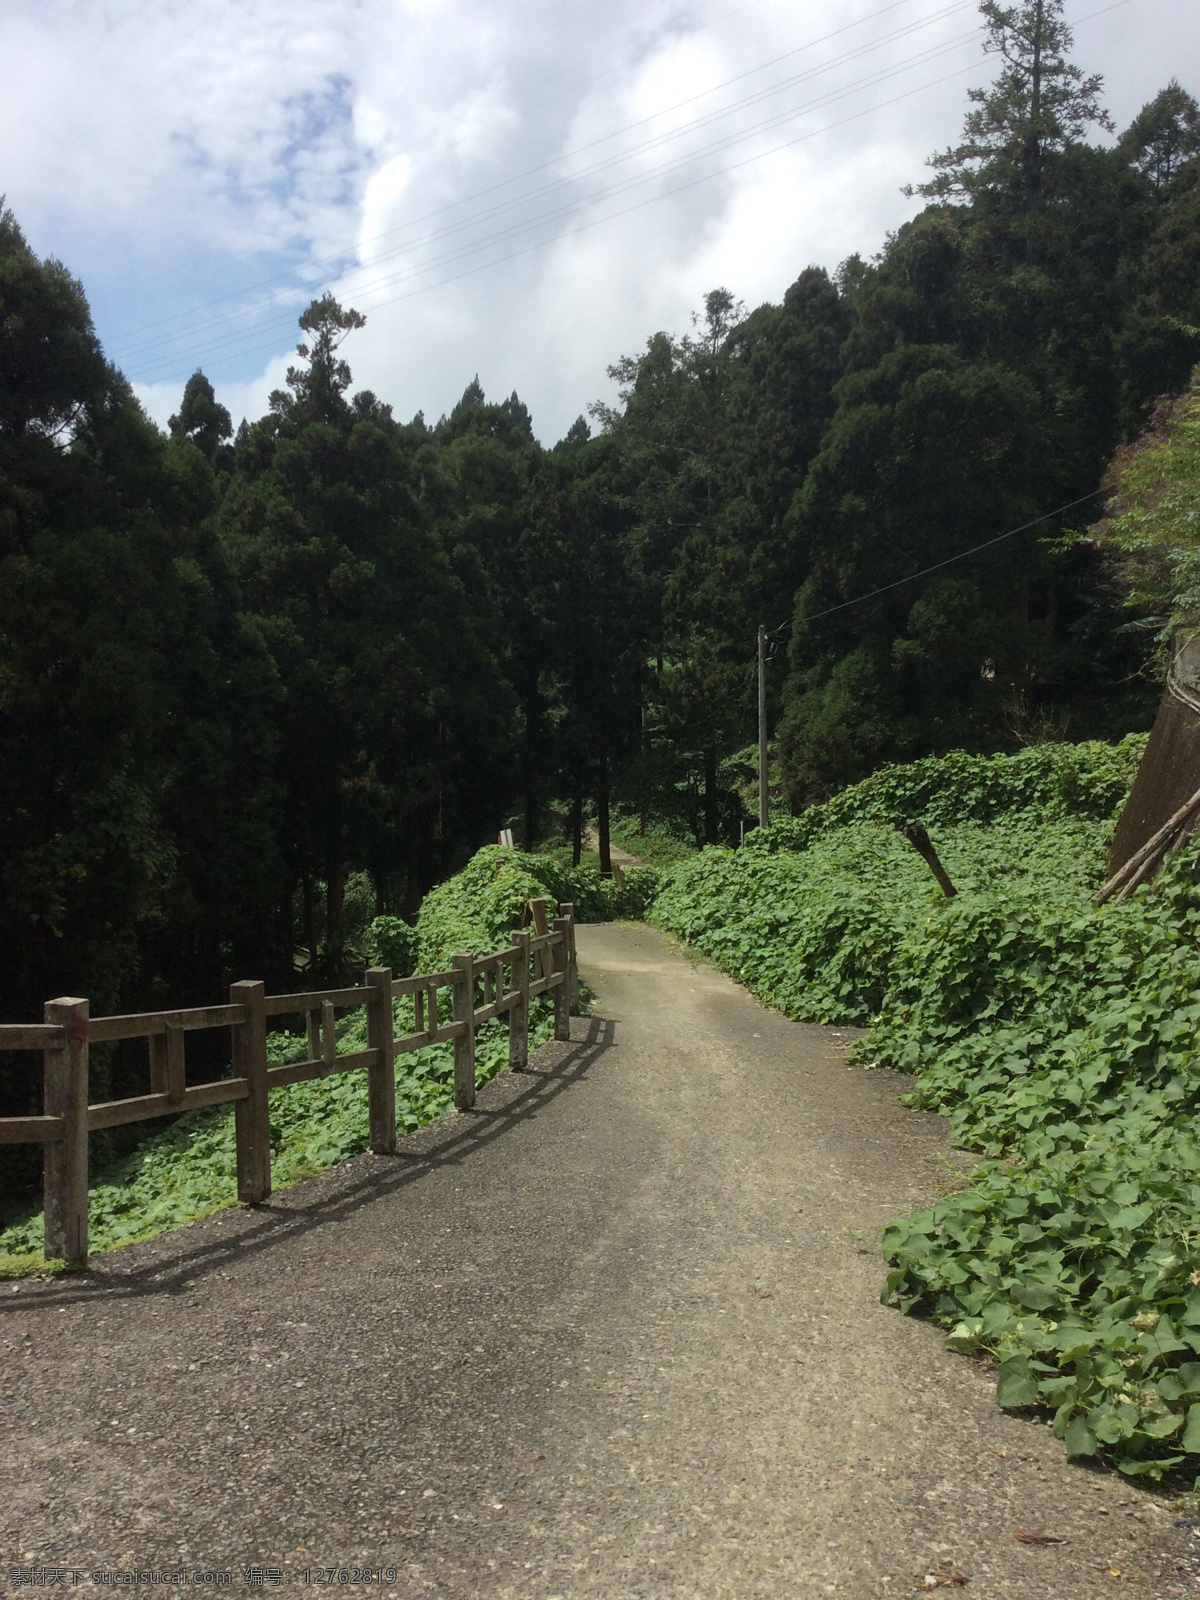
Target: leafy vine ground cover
pixel 1058 1037
pixel 189 1168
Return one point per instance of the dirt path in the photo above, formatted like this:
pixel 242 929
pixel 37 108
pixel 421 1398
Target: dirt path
pixel 618 857
pixel 614 1335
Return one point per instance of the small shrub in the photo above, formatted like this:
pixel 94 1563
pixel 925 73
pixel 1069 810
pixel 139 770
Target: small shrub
pixel 393 943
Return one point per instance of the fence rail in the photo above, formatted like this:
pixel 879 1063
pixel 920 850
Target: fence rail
pixel 481 988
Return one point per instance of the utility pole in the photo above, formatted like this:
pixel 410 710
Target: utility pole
pixel 764 808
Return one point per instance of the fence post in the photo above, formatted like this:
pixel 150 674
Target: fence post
pixel 381 1077
pixel 463 996
pixel 65 1162
pixel 518 1016
pixel 562 993
pixel 566 909
pixel 252 1123
pixel 537 910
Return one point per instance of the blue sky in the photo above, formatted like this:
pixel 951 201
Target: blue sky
pixel 525 189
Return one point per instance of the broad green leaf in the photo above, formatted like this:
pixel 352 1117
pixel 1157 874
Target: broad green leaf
pixel 1190 1438
pixel 1016 1385
pixel 1079 1439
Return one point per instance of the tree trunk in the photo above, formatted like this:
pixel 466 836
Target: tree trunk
pixel 308 895
pixel 335 905
pixel 529 834
pixel 711 830
pixel 1031 155
pixel 602 816
pixel 577 820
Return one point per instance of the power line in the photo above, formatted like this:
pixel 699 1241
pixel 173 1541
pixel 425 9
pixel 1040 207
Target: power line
pixel 330 260
pixel 219 345
pixel 725 143
pixel 641 180
pixel 938 565
pixel 126 351
pixel 611 191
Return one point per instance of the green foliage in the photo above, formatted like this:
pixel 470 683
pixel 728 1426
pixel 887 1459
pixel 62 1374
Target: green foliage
pixel 202 421
pixel 1164 136
pixel 818 932
pixel 393 943
pixel 134 699
pixel 1059 1039
pixel 1049 782
pixel 393 708
pixel 478 908
pixel 25 1263
pixel 1153 514
pixel 660 845
pixel 1040 103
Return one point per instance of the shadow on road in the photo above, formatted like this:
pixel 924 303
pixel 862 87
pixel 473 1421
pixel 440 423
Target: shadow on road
pixel 507 1100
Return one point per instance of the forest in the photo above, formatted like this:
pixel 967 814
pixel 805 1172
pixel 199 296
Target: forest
pixel 258 686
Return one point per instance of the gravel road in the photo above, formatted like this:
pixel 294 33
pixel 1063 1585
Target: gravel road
pixel 615 1334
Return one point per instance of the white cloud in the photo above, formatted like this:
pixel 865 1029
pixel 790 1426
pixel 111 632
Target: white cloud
pixel 205 166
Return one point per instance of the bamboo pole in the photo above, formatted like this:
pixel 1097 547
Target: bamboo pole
pixel 1153 846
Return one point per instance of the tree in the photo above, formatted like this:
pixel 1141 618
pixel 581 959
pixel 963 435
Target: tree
pixel 1163 137
pixel 202 421
pixel 1040 103
pixel 487 460
pixel 1159 340
pixel 926 455
pixel 132 742
pixel 714 434
pixel 593 615
pixel 393 716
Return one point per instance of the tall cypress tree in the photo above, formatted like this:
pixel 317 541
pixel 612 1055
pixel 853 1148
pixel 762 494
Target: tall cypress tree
pixel 1040 103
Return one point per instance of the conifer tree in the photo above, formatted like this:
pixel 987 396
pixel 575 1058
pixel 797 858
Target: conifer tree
pixel 201 420
pixel 1040 103
pixel 1163 137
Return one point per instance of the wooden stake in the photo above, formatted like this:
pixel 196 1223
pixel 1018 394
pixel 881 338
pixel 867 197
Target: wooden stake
pixel 463 993
pixel 176 1063
pixel 65 1162
pixel 252 1120
pixel 562 991
pixel 541 925
pixel 915 833
pixel 518 1016
pixel 567 909
pixel 381 1077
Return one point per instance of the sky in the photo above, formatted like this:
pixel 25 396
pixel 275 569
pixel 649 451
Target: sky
pixel 523 190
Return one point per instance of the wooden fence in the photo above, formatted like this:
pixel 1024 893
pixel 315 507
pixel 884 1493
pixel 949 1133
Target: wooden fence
pixel 481 987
